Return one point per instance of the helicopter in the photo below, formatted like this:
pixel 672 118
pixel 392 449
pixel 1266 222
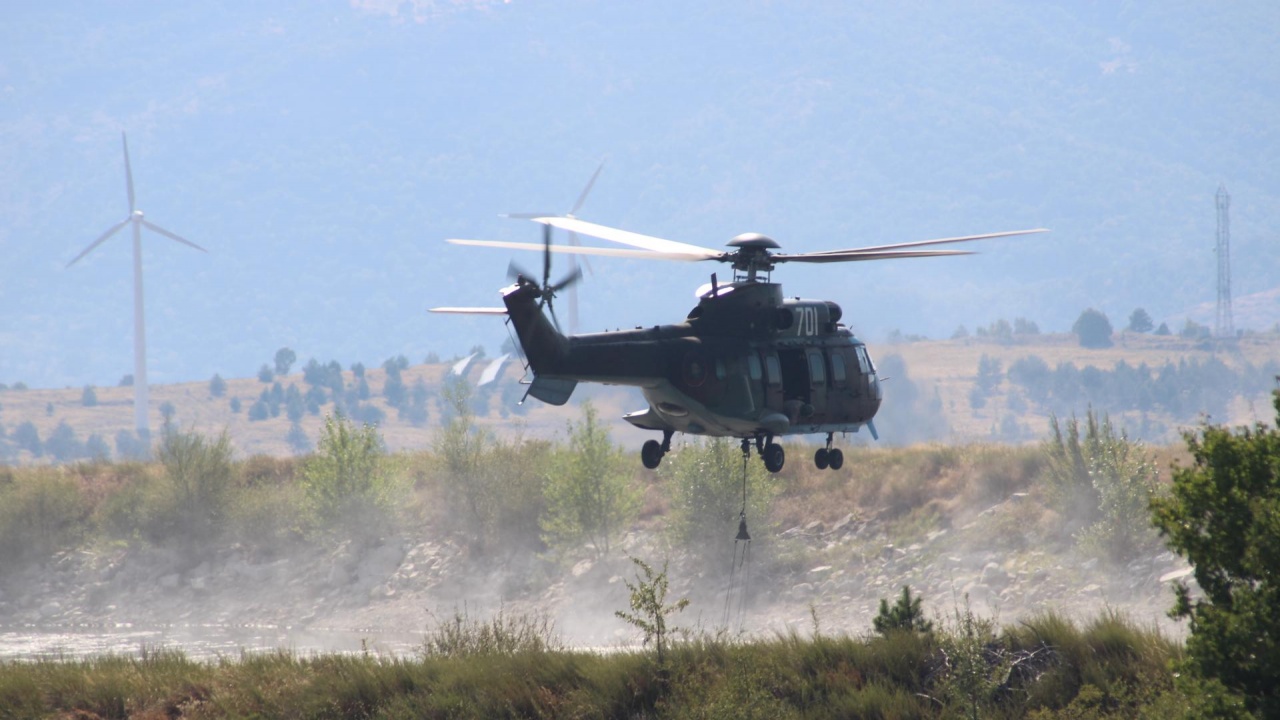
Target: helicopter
pixel 746 362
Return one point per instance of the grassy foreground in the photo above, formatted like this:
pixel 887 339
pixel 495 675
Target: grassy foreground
pixel 1047 667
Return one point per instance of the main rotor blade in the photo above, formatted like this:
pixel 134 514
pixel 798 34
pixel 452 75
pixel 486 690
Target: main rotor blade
pixel 858 255
pixel 626 237
pixel 171 236
pixel 470 310
pixel 101 239
pixel 525 216
pixel 606 252
pixel 586 190
pixel 940 241
pixel 128 172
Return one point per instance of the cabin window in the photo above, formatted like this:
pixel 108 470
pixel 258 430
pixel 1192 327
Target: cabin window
pixel 720 369
pixel 837 367
pixel 753 367
pixel 817 369
pixel 775 369
pixel 864 362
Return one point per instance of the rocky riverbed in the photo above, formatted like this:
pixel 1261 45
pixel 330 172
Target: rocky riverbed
pixel 381 594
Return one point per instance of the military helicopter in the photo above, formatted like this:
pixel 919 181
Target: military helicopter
pixel 746 362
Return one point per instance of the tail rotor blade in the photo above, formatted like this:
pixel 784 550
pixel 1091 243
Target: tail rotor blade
pixel 514 270
pixel 571 279
pixel 128 172
pixel 101 239
pixel 172 236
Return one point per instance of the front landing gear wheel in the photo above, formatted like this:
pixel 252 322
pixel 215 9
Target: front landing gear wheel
pixel 774 457
pixel 835 459
pixel 651 454
pixel 821 458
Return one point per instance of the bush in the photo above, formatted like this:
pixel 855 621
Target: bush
pixel 217 386
pixel 705 483
pixel 1103 484
pixel 589 497
pixel 199 473
pixel 89 398
pixel 42 510
pixel 350 483
pixel 265 374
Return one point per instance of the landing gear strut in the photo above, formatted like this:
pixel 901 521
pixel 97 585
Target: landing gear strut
pixel 652 452
pixel 829 457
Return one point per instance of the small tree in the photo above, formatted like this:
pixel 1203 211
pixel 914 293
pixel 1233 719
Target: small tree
pixel 1103 484
pixel 265 373
pixel 349 478
pixel 649 608
pixel 1140 321
pixel 588 494
pixel 990 373
pixel 1223 515
pixel 284 359
pixel 1093 329
pixel 199 473
pixel 906 615
pixel 88 398
pixel 234 404
pixel 217 386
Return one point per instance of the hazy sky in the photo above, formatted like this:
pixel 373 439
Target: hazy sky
pixel 322 151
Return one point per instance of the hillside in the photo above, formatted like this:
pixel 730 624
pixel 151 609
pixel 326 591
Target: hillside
pixel 930 402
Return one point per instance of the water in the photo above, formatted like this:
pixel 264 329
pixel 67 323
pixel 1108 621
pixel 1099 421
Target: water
pixel 196 641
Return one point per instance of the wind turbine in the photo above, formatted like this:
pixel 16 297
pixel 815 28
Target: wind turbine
pixel 136 219
pixel 573 240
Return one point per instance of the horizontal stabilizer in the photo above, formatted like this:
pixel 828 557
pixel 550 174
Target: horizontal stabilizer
pixel 553 391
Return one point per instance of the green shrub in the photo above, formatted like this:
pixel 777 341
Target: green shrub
pixel 589 496
pixel 42 510
pixel 1103 483
pixel 350 481
pixel 460 635
pixel 705 484
pixel 198 471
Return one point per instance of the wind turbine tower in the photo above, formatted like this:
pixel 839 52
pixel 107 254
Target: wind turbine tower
pixel 1223 327
pixel 137 220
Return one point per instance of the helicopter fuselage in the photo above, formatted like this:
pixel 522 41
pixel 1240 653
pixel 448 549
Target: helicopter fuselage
pixel 745 363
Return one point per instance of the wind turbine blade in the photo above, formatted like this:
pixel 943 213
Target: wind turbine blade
pixel 101 239
pixel 940 241
pixel 171 236
pixel 577 242
pixel 491 370
pixel 461 366
pixel 626 237
pixel 605 252
pixel 586 190
pixel 128 172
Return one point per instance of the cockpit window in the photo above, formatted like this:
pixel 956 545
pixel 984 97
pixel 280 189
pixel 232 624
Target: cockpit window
pixel 753 366
pixel 864 361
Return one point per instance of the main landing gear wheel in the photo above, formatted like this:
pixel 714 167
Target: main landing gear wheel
pixel 774 457
pixel 651 454
pixel 835 459
pixel 829 457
